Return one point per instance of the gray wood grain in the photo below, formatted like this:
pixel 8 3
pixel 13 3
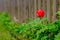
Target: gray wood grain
pixel 24 9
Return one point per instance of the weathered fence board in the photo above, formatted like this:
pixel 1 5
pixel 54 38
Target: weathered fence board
pixel 35 8
pixel 48 9
pixel 54 10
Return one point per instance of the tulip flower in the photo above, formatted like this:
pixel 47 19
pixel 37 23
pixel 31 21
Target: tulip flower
pixel 40 13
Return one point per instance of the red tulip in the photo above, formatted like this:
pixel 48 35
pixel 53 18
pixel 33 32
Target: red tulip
pixel 40 13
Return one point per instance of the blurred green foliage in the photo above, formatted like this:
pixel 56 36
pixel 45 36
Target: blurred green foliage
pixel 38 29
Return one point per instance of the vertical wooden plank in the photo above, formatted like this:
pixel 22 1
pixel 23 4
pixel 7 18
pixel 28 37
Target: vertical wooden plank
pixel 14 5
pixel 48 9
pixel 43 6
pixel 24 11
pixel 59 5
pixel 35 8
pixel 23 18
pixel 51 10
pixel 12 2
pixel 1 5
pixel 54 10
pixel 16 9
pixel 9 8
pixel 27 8
pixel 25 14
pixel 5 5
pixel 20 11
pixel 32 9
pixel 39 4
pixel 31 6
pixel 19 4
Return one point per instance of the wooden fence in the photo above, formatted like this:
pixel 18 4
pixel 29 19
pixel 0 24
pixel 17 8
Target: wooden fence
pixel 21 10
